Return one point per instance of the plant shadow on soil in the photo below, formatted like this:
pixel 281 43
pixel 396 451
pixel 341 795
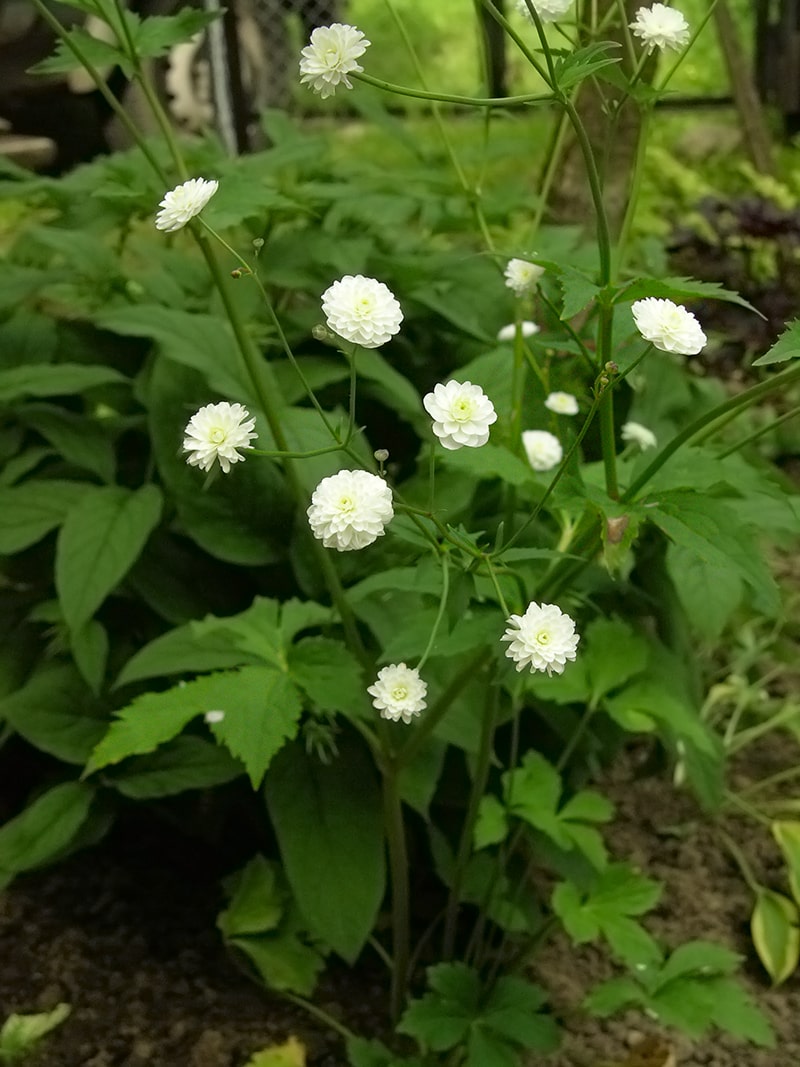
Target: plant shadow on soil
pixel 125 934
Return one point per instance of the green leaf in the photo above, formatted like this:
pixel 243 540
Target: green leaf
pixel 614 654
pixel 60 379
pixel 491 461
pixel 709 592
pixel 786 347
pixel 50 711
pixel 89 646
pixel 82 441
pixel 261 922
pixel 183 651
pixel 698 958
pixel 330 675
pixel 45 829
pixel 774 928
pixel 609 997
pixel 680 289
pixel 486 1049
pixel 418 778
pixel 93 50
pixel 389 386
pixel 584 62
pixel 30 511
pixel 442 1017
pixel 156 34
pixel 787 834
pixel 101 539
pixel 182 764
pixel 291 1053
pixel 362 1053
pixel 261 712
pixel 734 1011
pixel 577 290
pixel 21 1033
pixel 512 1010
pixel 333 823
pixel 491 826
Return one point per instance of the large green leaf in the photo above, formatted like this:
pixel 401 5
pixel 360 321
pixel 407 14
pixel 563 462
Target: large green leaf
pixel 82 441
pixel 679 289
pixel 330 830
pixel 261 709
pixel 45 829
pixel 185 650
pixel 99 542
pixel 53 712
pixel 330 674
pixel 786 347
pixel 774 926
pixel 155 35
pixel 60 379
pixel 33 509
pixel 185 763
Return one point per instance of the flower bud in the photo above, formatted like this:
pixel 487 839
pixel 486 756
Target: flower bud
pixel 381 454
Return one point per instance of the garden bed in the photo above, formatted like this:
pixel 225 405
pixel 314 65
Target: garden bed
pixel 125 934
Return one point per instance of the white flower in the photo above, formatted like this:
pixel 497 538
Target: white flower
pixel 350 509
pixel 547 10
pixel 543 639
pixel 639 435
pixel 399 692
pixel 508 333
pixel 522 276
pixel 562 404
pixel 183 203
pixel 668 327
pixel 212 717
pixel 543 449
pixel 215 432
pixel 362 310
pixel 462 414
pixel 331 56
pixel 662 27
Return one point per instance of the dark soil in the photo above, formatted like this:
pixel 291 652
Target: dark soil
pixel 126 935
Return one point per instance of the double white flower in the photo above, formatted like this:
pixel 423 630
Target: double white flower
pixel 362 310
pixel 522 276
pixel 661 27
pixel 462 414
pixel 332 55
pixel 668 326
pixel 547 10
pixel 349 510
pixel 543 449
pixel 542 639
pixel 184 202
pixel 215 433
pixel 399 692
pixel 562 403
pixel 636 434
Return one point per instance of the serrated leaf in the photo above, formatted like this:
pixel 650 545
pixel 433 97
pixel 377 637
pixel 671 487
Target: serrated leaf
pixel 491 826
pixel 97 52
pixel 156 34
pixel 734 1011
pixel 680 289
pixel 182 651
pixel 330 675
pixel 786 347
pixel 182 764
pixel 101 539
pixel 30 511
pixel 331 823
pixel 442 1017
pixel 261 710
pixel 486 1049
pixel 609 997
pixel 614 654
pixel 584 62
pixel 577 291
pixel 698 958
pixel 21 1033
pixel 60 379
pixel 774 928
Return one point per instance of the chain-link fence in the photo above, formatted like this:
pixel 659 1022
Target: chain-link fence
pixel 283 25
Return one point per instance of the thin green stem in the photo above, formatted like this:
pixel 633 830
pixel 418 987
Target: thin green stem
pixel 774 779
pixel 746 737
pixel 634 191
pixel 586 355
pixel 320 1014
pixel 493 576
pixel 749 809
pixel 554 153
pixel 445 561
pixel 745 441
pixel 595 188
pixel 741 861
pixel 734 403
pixel 577 736
pixel 451 98
pixel 519 41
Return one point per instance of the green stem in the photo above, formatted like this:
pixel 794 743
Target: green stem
pixel 554 153
pixel 748 808
pixel 320 1014
pixel 745 441
pixel 595 188
pixel 735 403
pixel 445 559
pixel 398 863
pixel 741 861
pixel 746 737
pixel 577 736
pixel 500 598
pixel 774 779
pixel 465 843
pixel 634 190
pixel 450 98
pixel 586 355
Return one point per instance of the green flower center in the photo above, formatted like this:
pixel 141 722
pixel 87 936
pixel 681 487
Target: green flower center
pixel 463 409
pixel 543 637
pixel 399 692
pixel 346 504
pixel 217 435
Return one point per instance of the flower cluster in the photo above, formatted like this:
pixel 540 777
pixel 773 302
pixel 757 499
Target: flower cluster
pixel 522 276
pixel 562 403
pixel 331 56
pixel 184 202
pixel 636 434
pixel 547 10
pixel 661 27
pixel 542 639
pixel 543 449
pixel 668 326
pixel 349 510
pixel 362 310
pixel 462 414
pixel 215 432
pixel 399 692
